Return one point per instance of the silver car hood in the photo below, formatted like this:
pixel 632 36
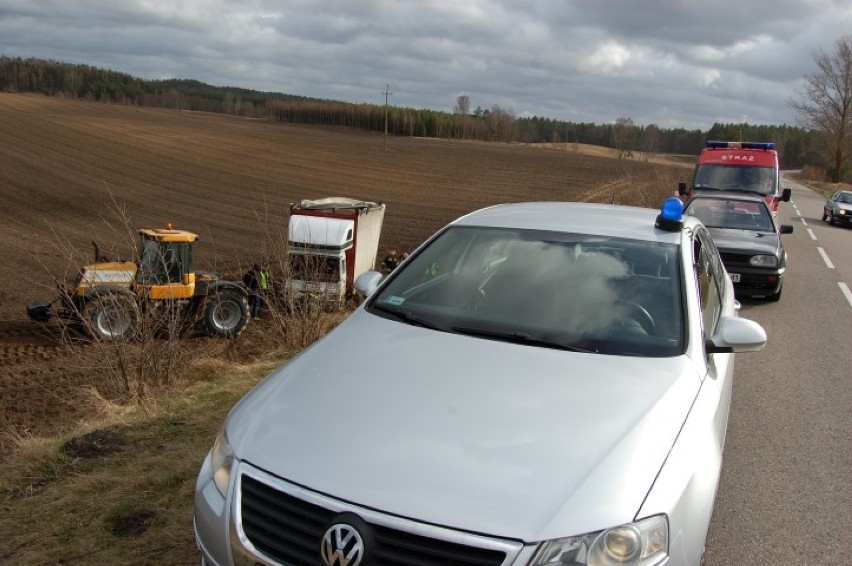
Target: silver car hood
pixel 485 436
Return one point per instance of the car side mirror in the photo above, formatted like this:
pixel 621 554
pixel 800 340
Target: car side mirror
pixel 786 229
pixel 367 283
pixel 786 194
pixel 735 334
pixel 681 189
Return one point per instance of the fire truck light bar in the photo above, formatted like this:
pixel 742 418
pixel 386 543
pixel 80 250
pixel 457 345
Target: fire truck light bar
pixel 740 145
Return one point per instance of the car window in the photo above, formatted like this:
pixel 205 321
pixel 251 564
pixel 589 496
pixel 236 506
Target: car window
pixel 709 275
pixel 545 288
pixel 162 262
pixel 732 214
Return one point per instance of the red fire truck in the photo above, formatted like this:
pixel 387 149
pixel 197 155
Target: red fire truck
pixel 748 167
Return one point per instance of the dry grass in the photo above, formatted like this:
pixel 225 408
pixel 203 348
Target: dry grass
pixel 118 490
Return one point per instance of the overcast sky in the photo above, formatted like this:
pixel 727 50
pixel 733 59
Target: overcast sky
pixel 673 63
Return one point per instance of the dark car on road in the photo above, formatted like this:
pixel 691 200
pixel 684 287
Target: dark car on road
pixel 748 238
pixel 838 208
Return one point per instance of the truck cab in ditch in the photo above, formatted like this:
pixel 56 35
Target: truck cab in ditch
pixel 331 241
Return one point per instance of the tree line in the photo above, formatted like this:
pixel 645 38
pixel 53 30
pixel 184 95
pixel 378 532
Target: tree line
pixel 797 147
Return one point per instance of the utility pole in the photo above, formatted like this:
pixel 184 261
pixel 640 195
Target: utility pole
pixel 387 93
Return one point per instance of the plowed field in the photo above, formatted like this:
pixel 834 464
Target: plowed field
pixel 73 172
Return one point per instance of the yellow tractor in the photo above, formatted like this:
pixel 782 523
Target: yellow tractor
pixel 110 297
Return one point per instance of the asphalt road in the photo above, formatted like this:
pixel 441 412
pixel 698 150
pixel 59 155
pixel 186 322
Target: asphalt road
pixel 785 495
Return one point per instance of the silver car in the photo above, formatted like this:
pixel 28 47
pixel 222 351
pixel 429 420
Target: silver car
pixel 538 384
pixel 838 208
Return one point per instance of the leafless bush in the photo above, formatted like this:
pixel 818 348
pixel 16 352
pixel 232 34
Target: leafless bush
pixel 646 187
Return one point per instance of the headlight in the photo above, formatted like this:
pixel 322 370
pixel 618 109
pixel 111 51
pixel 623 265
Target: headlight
pixel 841 212
pixel 642 543
pixel 763 261
pixel 221 462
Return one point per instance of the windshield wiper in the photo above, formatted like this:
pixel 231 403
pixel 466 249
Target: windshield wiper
pixel 521 338
pixel 408 316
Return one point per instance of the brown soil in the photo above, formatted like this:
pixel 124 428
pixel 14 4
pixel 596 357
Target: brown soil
pixel 73 172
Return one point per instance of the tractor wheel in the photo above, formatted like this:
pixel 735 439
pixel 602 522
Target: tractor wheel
pixel 226 313
pixel 112 317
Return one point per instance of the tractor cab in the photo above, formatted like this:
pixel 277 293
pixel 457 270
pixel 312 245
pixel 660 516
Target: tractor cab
pixel 165 264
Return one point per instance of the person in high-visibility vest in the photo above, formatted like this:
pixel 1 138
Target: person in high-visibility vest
pixel 257 282
pixel 265 285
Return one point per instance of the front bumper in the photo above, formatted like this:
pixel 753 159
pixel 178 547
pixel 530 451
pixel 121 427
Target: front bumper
pixel 222 540
pixel 755 282
pixel 845 219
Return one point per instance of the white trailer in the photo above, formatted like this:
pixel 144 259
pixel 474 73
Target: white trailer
pixel 331 242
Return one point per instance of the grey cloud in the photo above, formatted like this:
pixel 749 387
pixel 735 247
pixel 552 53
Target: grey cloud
pixel 674 63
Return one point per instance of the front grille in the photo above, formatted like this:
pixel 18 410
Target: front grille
pixel 734 259
pixel 289 530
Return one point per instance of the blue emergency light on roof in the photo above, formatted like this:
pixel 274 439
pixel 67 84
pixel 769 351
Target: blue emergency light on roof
pixel 740 145
pixel 670 218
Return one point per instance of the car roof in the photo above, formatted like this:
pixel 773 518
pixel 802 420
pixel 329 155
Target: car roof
pixel 575 217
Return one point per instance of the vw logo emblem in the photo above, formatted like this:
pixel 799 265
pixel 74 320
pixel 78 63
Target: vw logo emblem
pixel 342 545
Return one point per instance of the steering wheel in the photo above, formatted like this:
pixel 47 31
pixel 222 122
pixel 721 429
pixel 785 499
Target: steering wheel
pixel 641 315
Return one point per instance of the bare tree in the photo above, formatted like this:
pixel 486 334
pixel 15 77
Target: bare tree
pixel 825 103
pixel 622 133
pixel 501 123
pixel 463 120
pixel 462 105
pixel 650 140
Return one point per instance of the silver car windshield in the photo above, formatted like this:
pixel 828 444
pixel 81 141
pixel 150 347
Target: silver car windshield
pixel 543 289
